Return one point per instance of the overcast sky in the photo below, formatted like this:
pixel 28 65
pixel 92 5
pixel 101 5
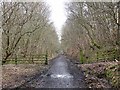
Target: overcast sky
pixel 58 14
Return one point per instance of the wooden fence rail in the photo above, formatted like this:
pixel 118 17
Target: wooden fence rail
pixel 29 59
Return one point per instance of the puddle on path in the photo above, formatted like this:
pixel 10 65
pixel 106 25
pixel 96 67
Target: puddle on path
pixel 61 76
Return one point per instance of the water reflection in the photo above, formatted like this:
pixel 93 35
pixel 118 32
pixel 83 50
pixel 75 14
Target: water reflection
pixel 61 76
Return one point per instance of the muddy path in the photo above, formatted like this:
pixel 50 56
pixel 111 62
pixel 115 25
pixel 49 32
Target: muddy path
pixel 61 74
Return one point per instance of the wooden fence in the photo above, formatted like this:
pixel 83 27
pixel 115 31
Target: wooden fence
pixel 29 59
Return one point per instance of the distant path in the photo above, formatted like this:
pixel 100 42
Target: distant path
pixel 62 74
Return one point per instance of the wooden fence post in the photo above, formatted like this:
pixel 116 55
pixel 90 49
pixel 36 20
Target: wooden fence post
pixel 81 56
pixel 97 56
pixel 15 59
pixel 46 58
pixel 32 59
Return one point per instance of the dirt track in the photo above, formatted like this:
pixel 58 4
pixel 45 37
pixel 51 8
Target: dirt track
pixel 62 74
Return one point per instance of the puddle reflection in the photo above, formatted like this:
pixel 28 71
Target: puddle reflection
pixel 61 76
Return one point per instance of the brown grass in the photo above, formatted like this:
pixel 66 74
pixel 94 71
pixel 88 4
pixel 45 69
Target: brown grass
pixel 96 74
pixel 15 75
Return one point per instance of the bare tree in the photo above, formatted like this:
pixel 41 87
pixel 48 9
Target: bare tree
pixel 90 27
pixel 23 26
